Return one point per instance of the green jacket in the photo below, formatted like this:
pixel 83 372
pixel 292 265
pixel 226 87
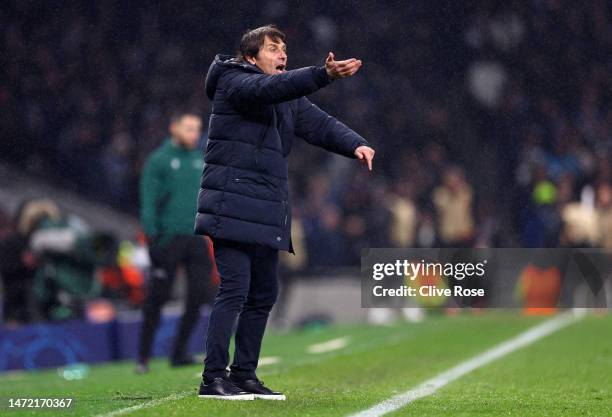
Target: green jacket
pixel 67 269
pixel 168 191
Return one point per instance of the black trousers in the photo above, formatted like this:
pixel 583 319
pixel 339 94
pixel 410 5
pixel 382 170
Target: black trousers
pixel 192 253
pixel 248 290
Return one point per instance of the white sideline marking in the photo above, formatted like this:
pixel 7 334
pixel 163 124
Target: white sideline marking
pixel 268 360
pixel 434 384
pixel 149 404
pixel 328 346
pixel 185 394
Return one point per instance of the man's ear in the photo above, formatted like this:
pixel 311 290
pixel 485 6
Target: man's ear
pixel 250 60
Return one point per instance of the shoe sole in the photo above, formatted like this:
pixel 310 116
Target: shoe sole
pixel 243 397
pixel 271 397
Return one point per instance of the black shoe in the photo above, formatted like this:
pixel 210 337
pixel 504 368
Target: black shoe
pixel 183 361
pixel 258 389
pixel 222 389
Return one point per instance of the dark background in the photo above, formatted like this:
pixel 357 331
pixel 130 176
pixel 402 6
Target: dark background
pixel 511 95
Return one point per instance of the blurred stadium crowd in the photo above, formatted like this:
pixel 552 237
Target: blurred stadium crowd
pixel 492 121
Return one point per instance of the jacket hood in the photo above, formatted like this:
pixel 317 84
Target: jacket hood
pixel 220 64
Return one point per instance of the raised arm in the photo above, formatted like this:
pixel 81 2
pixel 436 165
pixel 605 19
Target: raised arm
pixel 320 129
pixel 244 88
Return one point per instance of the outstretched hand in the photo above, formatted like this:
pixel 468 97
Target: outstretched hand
pixel 340 69
pixel 365 154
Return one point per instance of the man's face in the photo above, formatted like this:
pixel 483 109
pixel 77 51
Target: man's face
pixel 272 57
pixel 186 131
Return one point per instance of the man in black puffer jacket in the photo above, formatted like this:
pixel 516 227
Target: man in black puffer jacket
pixel 243 204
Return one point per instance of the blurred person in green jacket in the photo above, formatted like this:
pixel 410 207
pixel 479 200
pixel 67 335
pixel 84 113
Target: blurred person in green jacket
pixel 55 255
pixel 168 195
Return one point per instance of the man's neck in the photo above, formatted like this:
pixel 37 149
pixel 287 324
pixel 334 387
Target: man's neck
pixel 175 143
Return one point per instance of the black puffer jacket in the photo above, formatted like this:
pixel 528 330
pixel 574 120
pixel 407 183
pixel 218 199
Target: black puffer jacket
pixel 244 194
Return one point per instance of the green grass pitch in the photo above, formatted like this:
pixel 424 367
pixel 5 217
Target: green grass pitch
pixel 568 373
